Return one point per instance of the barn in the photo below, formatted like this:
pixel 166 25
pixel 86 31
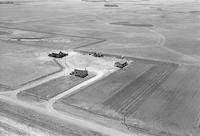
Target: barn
pixel 121 64
pixel 79 73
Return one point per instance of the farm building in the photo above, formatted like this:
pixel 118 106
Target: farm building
pixel 121 64
pixel 98 55
pixel 58 55
pixel 79 73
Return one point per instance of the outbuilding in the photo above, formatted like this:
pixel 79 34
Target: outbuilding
pixel 121 64
pixel 98 55
pixel 79 73
pixel 58 55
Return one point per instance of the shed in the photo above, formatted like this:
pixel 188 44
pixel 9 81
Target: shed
pixel 79 73
pixel 98 55
pixel 121 64
pixel 58 55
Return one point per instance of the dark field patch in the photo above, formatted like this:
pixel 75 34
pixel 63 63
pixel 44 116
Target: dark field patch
pixel 195 12
pixel 52 88
pixel 130 24
pixel 181 12
pixel 7 2
pixel 4 33
pixel 133 95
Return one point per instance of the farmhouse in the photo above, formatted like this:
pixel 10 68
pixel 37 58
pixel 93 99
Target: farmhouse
pixel 79 73
pixel 121 64
pixel 58 55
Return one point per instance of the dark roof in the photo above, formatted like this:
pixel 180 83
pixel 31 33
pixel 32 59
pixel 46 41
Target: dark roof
pixel 80 73
pixel 58 55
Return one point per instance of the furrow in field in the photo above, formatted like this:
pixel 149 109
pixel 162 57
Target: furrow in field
pixel 128 100
pixel 138 91
pixel 118 98
pixel 133 106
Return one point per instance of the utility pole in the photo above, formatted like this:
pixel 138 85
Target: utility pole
pixel 124 120
pixel 65 61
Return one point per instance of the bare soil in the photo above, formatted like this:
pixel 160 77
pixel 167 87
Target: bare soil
pixel 128 99
pixel 46 91
pixel 174 105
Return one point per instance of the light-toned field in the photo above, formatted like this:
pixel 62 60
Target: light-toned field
pixel 44 40
pixel 20 65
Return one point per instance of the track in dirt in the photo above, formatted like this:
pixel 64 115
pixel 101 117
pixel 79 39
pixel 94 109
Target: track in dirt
pixel 127 101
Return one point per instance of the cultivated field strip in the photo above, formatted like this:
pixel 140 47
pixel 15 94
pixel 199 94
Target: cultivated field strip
pixel 135 101
pixel 51 88
pixel 131 97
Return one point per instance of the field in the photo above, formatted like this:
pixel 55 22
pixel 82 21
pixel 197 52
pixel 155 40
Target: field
pixel 174 105
pixel 111 84
pixel 159 99
pixel 156 94
pixel 121 93
pixel 155 53
pixel 45 40
pixel 127 100
pixel 20 65
pixel 46 91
